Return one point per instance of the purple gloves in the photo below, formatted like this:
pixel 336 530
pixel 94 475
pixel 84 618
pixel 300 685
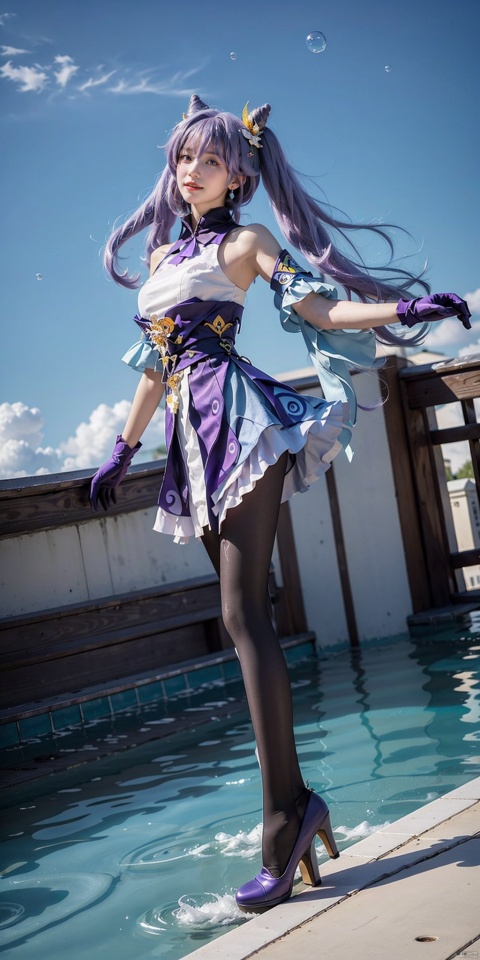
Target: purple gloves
pixel 435 307
pixel 111 473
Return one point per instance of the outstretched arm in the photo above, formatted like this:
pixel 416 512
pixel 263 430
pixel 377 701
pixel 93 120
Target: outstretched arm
pixel 318 310
pixel 348 314
pixel 344 314
pixel 261 254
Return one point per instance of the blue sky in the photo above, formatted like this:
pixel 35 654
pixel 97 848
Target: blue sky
pixel 88 94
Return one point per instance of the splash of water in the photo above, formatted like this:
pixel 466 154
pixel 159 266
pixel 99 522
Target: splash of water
pixel 363 829
pixel 193 913
pixel 219 911
pixel 242 844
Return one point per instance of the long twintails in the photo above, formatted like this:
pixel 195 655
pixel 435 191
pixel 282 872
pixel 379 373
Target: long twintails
pixel 155 213
pixel 309 228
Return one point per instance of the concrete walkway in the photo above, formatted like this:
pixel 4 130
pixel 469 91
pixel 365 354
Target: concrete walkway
pixel 410 890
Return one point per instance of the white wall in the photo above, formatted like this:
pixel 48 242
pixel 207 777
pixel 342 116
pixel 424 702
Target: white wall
pixel 96 559
pixel 371 529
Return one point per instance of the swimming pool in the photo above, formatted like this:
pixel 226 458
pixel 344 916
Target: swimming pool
pixel 138 856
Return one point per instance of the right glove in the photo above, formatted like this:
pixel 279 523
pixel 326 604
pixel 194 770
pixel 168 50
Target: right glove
pixel 111 473
pixel 437 306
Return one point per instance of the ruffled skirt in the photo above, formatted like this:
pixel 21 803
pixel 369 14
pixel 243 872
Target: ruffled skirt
pixel 308 428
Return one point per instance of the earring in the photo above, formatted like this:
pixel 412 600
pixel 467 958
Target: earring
pixel 231 195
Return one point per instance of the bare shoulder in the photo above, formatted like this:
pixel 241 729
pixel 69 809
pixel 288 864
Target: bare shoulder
pixel 158 255
pixel 248 252
pixel 255 238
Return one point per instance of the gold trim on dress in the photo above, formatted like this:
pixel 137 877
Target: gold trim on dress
pixel 160 330
pixel 173 398
pixel 219 325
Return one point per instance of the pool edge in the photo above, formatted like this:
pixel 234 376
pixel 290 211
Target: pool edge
pixel 427 832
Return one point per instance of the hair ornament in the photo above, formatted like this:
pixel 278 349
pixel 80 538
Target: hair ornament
pixel 194 106
pixel 253 132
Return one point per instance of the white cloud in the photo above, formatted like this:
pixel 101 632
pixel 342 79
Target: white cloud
pixel 4 17
pixel 21 435
pixel 92 442
pixel 29 79
pixel 473 300
pixel 11 51
pixel 448 333
pixel 98 82
pixel 146 84
pixel 471 348
pixel 21 453
pixel 67 70
pixel 36 78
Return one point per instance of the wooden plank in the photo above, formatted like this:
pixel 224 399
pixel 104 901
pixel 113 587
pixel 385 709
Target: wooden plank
pixel 169 590
pixel 470 416
pixel 26 506
pixel 70 674
pixel 40 648
pixel 465 558
pixel 470 431
pixel 445 388
pixel 408 513
pixel 57 634
pixel 435 541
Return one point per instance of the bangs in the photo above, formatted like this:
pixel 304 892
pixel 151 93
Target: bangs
pixel 207 136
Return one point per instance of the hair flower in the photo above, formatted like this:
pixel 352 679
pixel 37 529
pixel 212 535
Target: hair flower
pixel 253 131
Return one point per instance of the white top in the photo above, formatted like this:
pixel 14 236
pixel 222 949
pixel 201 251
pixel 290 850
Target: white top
pixel 198 276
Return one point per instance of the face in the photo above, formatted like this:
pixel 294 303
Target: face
pixel 203 179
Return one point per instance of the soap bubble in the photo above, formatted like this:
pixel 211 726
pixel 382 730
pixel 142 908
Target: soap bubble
pixel 387 69
pixel 39 276
pixel 233 55
pixel 316 42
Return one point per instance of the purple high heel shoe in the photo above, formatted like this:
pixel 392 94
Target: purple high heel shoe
pixel 266 891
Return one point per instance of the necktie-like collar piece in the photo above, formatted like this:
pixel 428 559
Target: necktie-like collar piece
pixel 211 228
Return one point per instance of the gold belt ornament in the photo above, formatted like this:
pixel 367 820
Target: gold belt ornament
pixel 173 398
pixel 219 325
pixel 160 330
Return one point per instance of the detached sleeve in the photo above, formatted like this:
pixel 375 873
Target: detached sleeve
pixel 143 354
pixel 332 352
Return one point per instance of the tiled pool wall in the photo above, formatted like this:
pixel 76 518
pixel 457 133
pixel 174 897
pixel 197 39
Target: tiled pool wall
pixel 47 719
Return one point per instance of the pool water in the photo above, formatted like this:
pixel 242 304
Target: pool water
pixel 139 856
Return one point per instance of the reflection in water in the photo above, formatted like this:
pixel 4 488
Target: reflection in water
pixel 29 906
pixel 360 683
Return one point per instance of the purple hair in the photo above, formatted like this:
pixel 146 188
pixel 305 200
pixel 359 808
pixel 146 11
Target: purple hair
pixel 305 224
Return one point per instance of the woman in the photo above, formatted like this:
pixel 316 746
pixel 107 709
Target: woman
pixel 238 441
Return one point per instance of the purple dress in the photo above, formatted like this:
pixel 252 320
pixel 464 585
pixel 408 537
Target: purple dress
pixel 226 421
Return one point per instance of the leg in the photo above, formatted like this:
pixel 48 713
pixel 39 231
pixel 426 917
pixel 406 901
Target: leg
pixel 211 542
pixel 244 554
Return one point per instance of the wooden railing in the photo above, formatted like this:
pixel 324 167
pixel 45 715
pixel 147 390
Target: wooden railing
pixel 419 469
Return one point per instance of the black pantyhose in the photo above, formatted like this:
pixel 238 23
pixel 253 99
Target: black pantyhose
pixel 241 555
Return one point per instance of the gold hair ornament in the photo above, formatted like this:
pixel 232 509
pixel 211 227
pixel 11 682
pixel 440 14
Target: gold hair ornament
pixel 253 131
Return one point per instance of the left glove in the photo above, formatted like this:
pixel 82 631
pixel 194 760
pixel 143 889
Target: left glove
pixel 111 473
pixel 437 306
